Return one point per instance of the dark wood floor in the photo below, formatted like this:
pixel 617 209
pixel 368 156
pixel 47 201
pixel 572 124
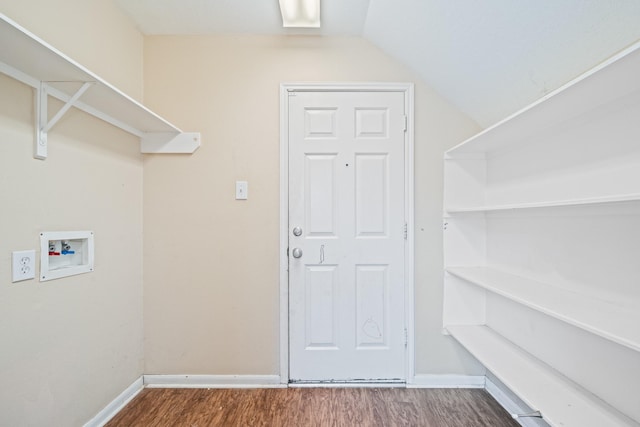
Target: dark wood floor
pixel 299 407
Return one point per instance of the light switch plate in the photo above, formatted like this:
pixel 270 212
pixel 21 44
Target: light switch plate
pixel 242 190
pixel 24 265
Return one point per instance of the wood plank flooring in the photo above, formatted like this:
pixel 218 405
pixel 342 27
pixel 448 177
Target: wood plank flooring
pixel 317 407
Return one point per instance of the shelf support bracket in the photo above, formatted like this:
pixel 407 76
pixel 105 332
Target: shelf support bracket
pixel 43 124
pixel 160 142
pixel 535 414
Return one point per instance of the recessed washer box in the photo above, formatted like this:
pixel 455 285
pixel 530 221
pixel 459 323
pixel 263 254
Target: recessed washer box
pixel 65 253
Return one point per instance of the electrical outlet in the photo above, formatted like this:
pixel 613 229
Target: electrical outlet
pixel 24 265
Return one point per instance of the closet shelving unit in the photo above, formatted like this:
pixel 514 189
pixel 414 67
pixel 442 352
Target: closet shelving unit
pixel 26 58
pixel 542 249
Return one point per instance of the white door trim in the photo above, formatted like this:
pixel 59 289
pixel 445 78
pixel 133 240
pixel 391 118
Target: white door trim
pixel 407 89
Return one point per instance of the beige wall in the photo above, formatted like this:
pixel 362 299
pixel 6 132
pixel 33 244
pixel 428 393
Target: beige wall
pixel 94 33
pixel 210 262
pixel 69 346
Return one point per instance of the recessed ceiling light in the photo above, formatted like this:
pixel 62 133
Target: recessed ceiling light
pixel 300 13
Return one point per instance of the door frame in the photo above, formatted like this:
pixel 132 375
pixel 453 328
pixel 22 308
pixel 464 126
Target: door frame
pixel 407 90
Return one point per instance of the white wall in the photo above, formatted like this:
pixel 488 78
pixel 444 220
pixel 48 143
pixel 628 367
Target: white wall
pixel 69 346
pixel 211 263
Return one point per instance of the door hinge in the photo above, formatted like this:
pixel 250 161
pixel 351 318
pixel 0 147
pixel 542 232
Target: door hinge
pixel 406 338
pixel 404 120
pixel 405 231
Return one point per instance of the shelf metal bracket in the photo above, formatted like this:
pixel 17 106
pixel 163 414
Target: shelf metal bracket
pixel 534 414
pixel 43 124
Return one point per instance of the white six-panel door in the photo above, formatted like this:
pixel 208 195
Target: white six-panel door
pixel 346 268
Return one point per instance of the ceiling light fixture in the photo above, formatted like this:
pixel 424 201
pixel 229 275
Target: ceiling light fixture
pixel 300 13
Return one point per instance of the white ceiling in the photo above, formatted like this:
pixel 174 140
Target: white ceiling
pixel 489 58
pixel 344 17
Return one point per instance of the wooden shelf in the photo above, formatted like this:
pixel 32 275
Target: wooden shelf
pixel 620 198
pixel 608 320
pixel 561 402
pixel 32 61
pixel 614 79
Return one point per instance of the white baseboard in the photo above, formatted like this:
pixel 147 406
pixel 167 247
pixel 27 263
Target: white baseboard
pixel 447 381
pixel 116 404
pixel 346 385
pixel 512 403
pixel 213 381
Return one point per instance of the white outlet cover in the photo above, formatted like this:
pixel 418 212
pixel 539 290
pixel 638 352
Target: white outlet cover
pixel 24 265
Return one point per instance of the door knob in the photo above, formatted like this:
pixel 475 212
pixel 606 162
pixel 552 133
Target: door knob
pixel 297 252
pixel 297 231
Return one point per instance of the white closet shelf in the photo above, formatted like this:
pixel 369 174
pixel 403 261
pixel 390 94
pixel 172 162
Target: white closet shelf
pixel 26 58
pixel 618 198
pixel 612 80
pixel 560 401
pixel 611 321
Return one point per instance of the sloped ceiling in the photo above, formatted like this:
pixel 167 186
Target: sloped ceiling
pixel 494 57
pixel 490 58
